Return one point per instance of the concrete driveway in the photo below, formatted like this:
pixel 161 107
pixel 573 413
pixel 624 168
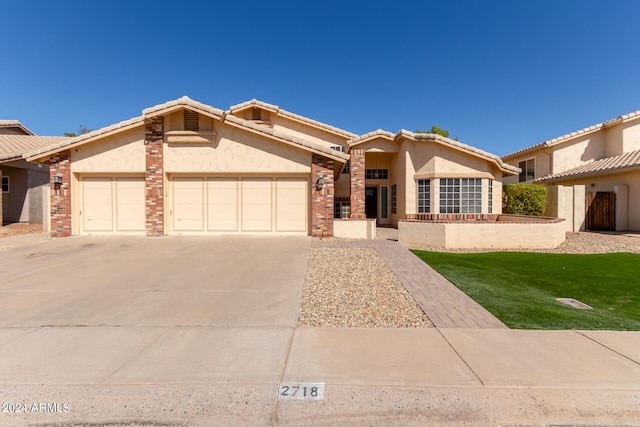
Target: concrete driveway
pixel 120 281
pixel 202 331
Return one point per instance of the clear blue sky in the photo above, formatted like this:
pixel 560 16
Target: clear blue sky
pixel 500 75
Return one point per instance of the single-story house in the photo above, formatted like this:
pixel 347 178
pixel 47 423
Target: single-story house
pixel 592 175
pixel 184 167
pixel 24 185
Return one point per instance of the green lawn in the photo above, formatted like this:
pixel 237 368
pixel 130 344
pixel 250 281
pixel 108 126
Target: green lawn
pixel 521 288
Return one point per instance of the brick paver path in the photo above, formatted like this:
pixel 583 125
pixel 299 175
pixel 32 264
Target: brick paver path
pixel 444 304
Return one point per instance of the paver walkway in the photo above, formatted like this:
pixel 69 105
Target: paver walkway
pixel 444 304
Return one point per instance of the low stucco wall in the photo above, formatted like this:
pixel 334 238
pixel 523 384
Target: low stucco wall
pixel 348 229
pixel 495 235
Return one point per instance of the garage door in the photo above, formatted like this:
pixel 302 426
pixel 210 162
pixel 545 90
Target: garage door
pixel 112 205
pixel 239 205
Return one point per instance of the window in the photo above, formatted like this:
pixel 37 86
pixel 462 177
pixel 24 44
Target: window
pixel 384 202
pixel 191 121
pixel 5 184
pixel 346 167
pixel 341 208
pixel 394 198
pixel 490 196
pixel 528 170
pixel 424 196
pixel 460 195
pixel 376 173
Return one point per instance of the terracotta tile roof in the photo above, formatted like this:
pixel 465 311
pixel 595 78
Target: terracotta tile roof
pixel 588 129
pixel 198 106
pixel 437 138
pixel 13 147
pixel 15 124
pixel 615 163
pixel 379 133
pixel 185 100
pixel 77 140
pixel 293 140
pixel 460 146
pixel 276 109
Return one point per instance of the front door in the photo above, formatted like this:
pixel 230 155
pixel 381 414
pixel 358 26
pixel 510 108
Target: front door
pixel 371 202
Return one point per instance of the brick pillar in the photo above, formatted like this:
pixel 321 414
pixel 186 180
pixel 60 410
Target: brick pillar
pixel 60 164
pixel 357 184
pixel 321 200
pixel 154 179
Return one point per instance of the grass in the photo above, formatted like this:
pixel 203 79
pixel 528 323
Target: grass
pixel 521 288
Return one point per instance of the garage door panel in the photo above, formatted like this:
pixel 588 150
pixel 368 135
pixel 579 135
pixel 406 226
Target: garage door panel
pixel 188 205
pixel 97 204
pixel 130 207
pixel 256 205
pixel 112 205
pixel 291 203
pixel 222 211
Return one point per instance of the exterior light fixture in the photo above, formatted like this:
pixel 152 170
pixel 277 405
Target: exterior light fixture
pixel 320 182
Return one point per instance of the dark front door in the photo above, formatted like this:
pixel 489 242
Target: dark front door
pixel 371 202
pixel 601 211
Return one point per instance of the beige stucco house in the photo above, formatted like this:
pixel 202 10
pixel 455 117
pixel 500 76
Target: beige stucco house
pixel 592 175
pixel 24 184
pixel 183 167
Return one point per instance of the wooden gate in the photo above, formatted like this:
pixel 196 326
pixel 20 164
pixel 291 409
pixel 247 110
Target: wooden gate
pixel 601 211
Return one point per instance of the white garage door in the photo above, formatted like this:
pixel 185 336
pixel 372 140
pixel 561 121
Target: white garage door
pixel 239 205
pixel 112 205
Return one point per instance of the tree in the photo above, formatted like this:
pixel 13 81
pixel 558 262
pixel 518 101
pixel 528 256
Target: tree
pixel 437 130
pixel 81 131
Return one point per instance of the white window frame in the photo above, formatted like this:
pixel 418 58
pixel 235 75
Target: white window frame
pixel 425 186
pixel 460 196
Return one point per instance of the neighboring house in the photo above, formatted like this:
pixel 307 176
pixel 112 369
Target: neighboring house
pixel 187 168
pixel 592 175
pixel 23 199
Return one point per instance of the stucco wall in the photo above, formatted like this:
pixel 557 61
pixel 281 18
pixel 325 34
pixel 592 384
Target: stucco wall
pixel 542 164
pixel 236 151
pixel 631 136
pixel 578 151
pixel 567 202
pixel 123 152
pixel 351 229
pixel 497 235
pixel 23 203
pixel 609 183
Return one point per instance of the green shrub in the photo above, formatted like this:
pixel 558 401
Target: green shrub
pixel 523 199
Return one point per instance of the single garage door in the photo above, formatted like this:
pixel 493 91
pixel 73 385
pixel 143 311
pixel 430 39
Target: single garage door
pixel 239 205
pixel 112 205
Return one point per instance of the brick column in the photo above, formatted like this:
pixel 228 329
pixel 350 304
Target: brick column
pixel 321 200
pixel 357 184
pixel 60 164
pixel 154 179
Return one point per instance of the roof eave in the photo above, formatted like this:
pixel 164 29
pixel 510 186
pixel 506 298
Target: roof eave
pixel 504 167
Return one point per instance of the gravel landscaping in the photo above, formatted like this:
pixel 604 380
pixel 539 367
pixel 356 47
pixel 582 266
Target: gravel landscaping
pixel 353 287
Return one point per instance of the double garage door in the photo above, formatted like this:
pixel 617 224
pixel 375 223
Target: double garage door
pixel 239 205
pixel 198 205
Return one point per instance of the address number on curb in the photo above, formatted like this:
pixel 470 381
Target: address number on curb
pixel 301 391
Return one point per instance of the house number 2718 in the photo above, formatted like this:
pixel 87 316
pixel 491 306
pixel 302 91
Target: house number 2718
pixel 301 391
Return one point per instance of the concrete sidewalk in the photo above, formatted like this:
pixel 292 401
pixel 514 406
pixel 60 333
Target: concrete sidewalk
pixel 231 376
pixel 140 342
